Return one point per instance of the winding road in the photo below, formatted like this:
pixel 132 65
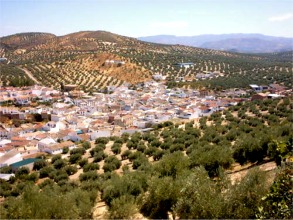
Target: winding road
pixel 29 74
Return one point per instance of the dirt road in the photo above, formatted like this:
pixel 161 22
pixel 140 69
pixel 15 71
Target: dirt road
pixel 29 74
pixel 267 167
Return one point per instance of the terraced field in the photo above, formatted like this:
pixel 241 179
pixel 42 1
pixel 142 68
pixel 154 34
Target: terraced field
pixel 80 58
pixel 88 71
pixel 12 76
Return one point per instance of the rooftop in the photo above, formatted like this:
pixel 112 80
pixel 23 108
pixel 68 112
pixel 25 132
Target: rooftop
pixel 24 162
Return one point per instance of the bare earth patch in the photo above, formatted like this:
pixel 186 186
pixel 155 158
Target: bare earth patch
pixel 240 171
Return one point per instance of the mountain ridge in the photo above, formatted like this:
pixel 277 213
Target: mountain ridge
pixel 259 43
pixel 240 43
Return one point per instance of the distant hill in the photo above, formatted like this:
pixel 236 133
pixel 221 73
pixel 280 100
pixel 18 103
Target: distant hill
pixel 25 40
pixel 76 58
pixel 96 59
pixel 243 43
pixel 83 40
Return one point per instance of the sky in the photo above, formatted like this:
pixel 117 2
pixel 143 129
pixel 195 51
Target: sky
pixel 137 18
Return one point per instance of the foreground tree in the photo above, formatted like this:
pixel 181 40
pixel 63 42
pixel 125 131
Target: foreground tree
pixel 277 204
pixel 162 195
pixel 199 197
pixel 123 207
pixel 49 203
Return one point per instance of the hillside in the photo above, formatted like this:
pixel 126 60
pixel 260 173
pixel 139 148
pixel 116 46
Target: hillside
pixel 250 45
pixel 78 58
pixel 25 40
pixel 244 43
pixel 209 164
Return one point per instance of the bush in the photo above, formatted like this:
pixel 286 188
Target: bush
pixel 91 166
pixel 140 161
pixel 111 163
pixel 96 150
pixel 102 140
pixel 118 141
pixel 47 182
pixel 44 172
pixel 248 149
pixel 74 158
pixel 125 137
pixel 5 188
pixel 90 175
pixel 6 169
pixel 39 164
pixel 212 158
pixel 58 164
pixel 56 157
pixel 22 173
pixel 150 151
pixel 79 150
pixel 177 147
pixel 109 167
pixel 86 145
pixel 113 160
pixel 83 162
pixel 33 177
pixel 65 150
pixel 125 154
pixel 59 175
pixel 116 149
pixel 70 170
pixel 155 143
pixel 141 147
pixel 99 156
pixel 277 204
pixel 134 155
pixel 158 154
pixel 123 207
pixel 130 144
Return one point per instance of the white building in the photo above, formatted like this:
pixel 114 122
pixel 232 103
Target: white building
pixel 10 157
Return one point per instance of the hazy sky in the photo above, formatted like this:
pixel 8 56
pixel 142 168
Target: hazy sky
pixel 148 17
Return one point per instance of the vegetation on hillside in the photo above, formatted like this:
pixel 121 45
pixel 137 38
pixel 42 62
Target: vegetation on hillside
pixel 12 76
pixel 176 169
pixel 66 59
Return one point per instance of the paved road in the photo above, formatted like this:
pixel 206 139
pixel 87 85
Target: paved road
pixel 29 74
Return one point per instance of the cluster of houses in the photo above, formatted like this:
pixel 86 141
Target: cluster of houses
pixel 71 119
pixel 183 65
pixel 199 76
pixel 268 92
pixel 208 75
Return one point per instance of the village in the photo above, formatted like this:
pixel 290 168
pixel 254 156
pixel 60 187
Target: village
pixel 38 120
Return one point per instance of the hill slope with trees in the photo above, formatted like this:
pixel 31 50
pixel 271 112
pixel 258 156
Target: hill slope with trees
pixel 41 52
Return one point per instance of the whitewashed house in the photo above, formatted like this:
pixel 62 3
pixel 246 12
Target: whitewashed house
pixel 58 148
pixel 54 127
pixel 46 142
pixel 100 133
pixel 10 157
